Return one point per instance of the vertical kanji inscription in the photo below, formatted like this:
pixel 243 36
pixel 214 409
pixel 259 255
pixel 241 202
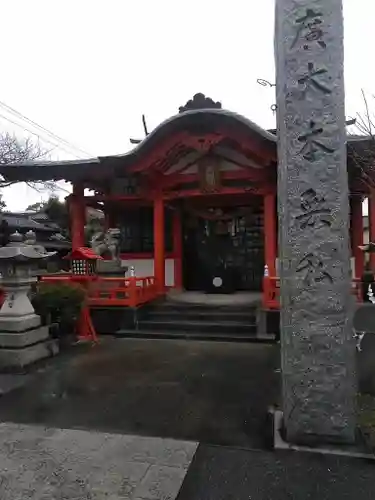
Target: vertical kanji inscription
pixel 315 285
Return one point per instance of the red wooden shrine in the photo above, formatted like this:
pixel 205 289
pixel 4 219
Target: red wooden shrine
pixel 200 191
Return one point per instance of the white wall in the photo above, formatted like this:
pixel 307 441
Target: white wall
pixel 145 267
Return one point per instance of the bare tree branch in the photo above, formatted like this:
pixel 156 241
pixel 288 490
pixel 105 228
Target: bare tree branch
pixel 364 160
pixel 16 150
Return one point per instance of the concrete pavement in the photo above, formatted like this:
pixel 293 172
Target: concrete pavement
pixel 39 463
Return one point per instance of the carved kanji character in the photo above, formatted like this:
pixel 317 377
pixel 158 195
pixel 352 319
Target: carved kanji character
pixel 312 79
pixel 310 28
pixel 314 213
pixel 314 270
pixel 312 143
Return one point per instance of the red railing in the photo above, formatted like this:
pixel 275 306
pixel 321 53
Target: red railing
pixel 271 291
pixel 130 292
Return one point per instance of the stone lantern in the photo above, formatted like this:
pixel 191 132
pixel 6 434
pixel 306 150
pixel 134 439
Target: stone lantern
pixel 22 338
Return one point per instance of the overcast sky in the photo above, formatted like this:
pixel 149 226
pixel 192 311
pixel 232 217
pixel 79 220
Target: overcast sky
pixel 88 69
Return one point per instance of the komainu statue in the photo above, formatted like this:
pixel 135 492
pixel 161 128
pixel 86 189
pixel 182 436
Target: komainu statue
pixel 107 243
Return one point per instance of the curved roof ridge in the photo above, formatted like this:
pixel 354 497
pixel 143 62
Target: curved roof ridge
pixel 187 116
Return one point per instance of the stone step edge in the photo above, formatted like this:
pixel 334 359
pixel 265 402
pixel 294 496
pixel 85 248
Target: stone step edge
pixel 182 322
pixel 225 337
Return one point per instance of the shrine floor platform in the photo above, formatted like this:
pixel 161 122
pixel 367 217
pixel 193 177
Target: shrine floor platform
pixel 216 299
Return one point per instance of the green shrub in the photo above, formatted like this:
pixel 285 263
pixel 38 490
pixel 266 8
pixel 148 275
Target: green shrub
pixel 58 302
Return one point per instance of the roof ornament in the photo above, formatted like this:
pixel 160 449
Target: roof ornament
pixel 138 141
pixel 200 101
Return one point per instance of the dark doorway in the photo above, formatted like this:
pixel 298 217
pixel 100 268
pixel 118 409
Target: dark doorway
pixel 224 250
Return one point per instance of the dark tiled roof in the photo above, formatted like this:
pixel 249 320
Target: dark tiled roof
pixel 23 222
pixel 45 231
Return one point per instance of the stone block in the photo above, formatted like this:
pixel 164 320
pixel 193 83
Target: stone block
pixel 111 267
pixel 19 358
pixel 19 323
pixel 23 339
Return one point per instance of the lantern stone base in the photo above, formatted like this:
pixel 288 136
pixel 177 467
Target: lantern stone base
pixel 24 339
pixel 10 323
pixel 13 359
pixel 21 344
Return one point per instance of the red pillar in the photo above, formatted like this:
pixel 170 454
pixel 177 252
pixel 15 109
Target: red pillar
pixel 159 246
pixel 77 216
pixel 177 249
pixel 270 232
pixel 357 235
pixel 371 217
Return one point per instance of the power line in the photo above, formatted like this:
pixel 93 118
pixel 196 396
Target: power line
pixel 13 111
pixel 49 132
pixel 48 141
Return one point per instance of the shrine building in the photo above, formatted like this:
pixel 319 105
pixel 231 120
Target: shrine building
pixel 196 202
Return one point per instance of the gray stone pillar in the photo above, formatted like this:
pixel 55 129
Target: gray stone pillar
pixel 318 351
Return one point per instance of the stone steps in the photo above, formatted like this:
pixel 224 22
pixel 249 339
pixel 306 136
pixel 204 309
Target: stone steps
pixel 170 319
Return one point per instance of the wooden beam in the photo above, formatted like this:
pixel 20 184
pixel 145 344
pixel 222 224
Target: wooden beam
pixel 254 145
pixel 257 175
pixel 203 143
pixel 158 153
pixel 224 201
pixel 116 197
pixel 196 193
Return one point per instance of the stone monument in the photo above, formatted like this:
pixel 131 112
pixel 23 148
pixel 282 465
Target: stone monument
pixel 318 349
pixel 22 338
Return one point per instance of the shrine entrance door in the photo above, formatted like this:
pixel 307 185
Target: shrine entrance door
pixel 223 249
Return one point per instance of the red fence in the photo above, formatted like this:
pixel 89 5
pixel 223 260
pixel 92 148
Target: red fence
pixel 102 291
pixel 271 292
pixel 130 292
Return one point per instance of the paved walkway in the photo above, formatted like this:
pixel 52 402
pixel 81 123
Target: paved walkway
pixel 216 393
pixel 38 463
pixel 233 474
